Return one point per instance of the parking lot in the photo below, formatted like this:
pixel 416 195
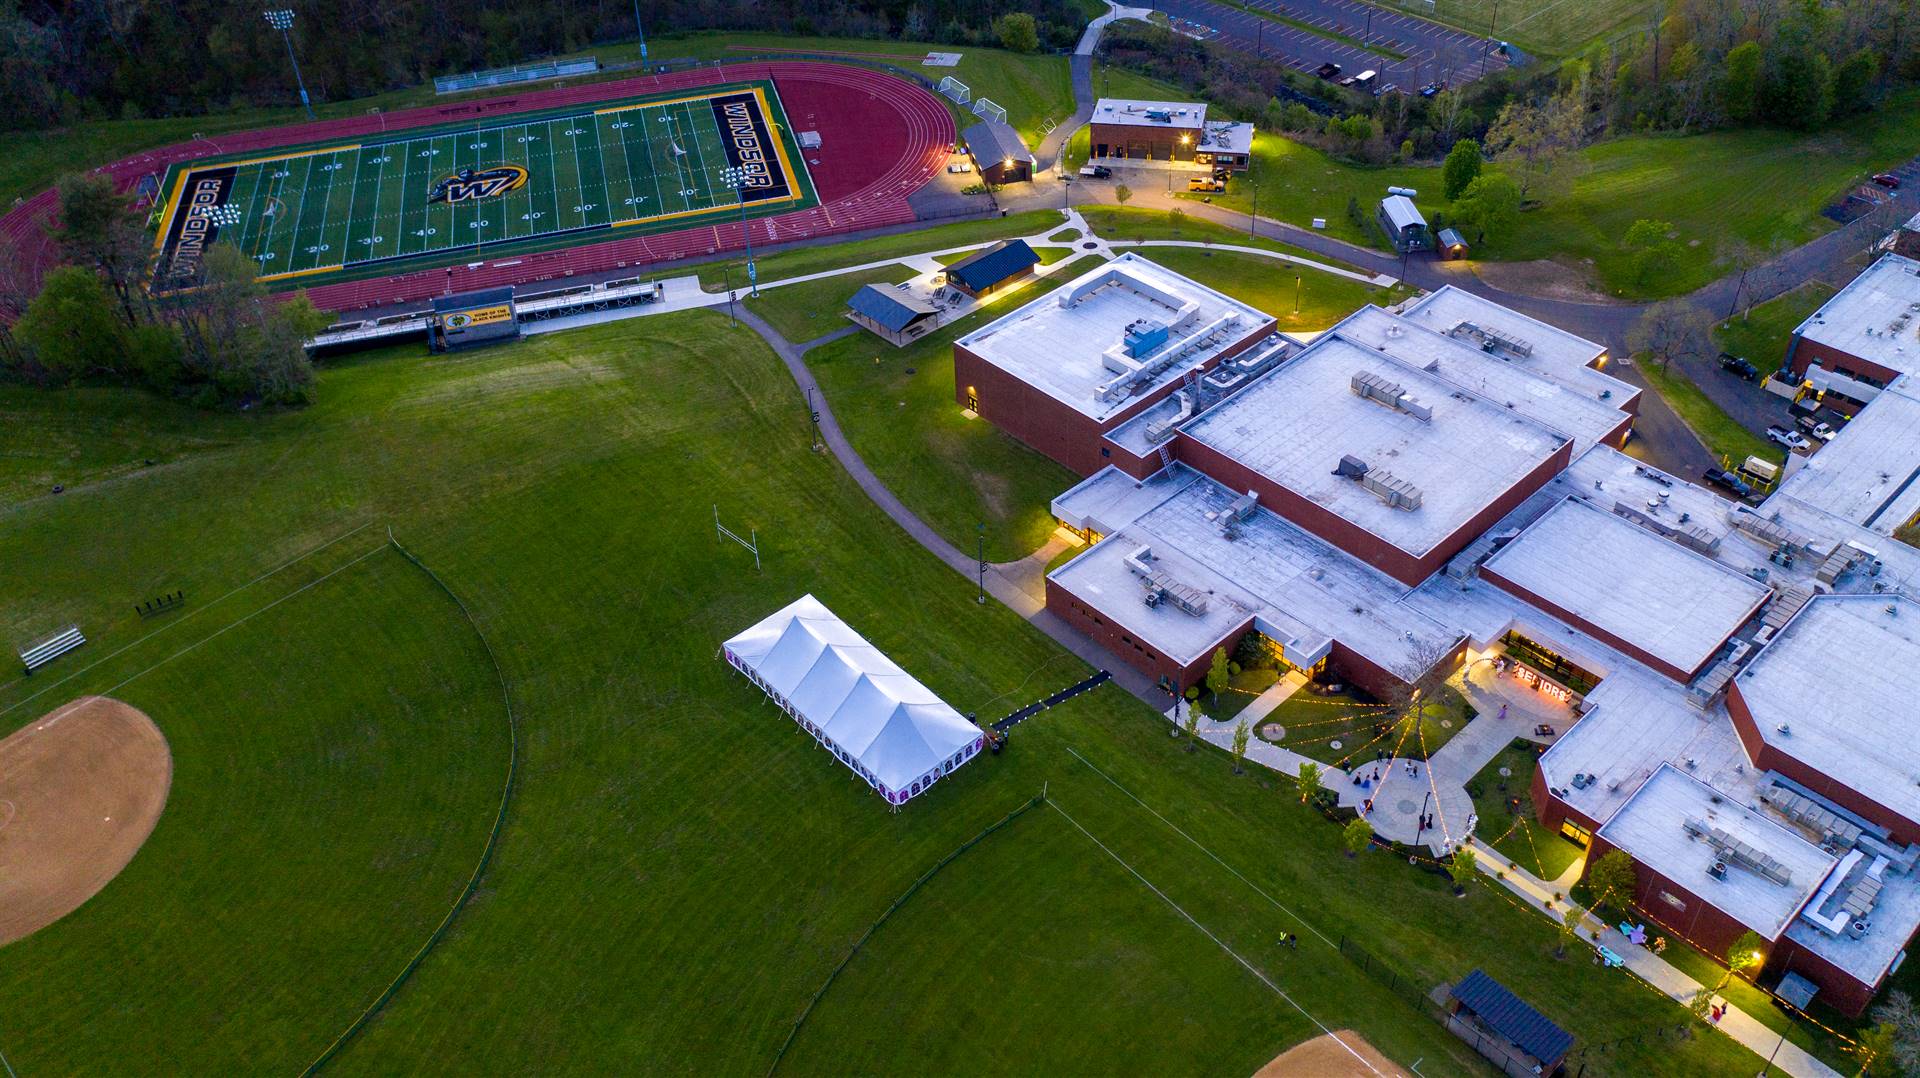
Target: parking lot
pixel 1407 51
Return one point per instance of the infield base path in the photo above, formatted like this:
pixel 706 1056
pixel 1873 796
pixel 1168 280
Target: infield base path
pixel 1324 1057
pixel 80 790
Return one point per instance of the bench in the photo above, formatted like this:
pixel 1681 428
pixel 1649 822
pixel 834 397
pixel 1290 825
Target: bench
pixel 38 655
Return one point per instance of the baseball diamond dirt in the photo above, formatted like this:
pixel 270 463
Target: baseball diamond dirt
pixel 80 791
pixel 1340 1054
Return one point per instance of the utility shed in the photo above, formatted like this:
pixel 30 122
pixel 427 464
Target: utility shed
pixel 1403 224
pixel 1502 1027
pixel 892 313
pixel 998 152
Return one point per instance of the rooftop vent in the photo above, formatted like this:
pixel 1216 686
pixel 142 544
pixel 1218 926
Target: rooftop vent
pixel 1396 492
pixel 1350 467
pixel 1392 394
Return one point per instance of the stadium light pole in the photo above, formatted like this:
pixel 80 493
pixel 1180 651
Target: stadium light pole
pixel 637 29
pixel 736 178
pixel 281 19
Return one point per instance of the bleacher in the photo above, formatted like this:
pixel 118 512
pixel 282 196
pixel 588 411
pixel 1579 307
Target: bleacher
pixel 37 655
pixel 518 73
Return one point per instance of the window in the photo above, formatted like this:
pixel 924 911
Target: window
pixel 1105 452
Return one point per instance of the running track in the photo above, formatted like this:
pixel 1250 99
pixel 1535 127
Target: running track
pixel 882 139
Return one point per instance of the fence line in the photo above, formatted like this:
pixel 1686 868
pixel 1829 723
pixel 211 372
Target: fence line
pixel 486 852
pixel 1037 800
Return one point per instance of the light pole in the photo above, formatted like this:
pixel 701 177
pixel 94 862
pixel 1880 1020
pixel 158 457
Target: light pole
pixel 983 564
pixel 281 19
pixel 1296 295
pixel 736 178
pixel 1253 178
pixel 640 32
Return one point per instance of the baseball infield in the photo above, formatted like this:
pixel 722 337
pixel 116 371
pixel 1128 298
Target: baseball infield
pixel 80 789
pixel 1325 1057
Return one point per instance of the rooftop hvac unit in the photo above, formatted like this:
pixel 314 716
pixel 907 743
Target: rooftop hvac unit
pixel 1145 336
pixel 1407 191
pixel 1858 929
pixel 1372 386
pixel 1350 467
pixel 1396 492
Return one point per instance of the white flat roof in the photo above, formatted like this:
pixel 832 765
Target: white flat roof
pixel 1059 342
pixel 1875 317
pixel 1643 588
pixel 1896 914
pixel 1222 137
pixel 1297 587
pixel 1843 677
pixel 1869 474
pixel 1652 827
pixel 1294 424
pixel 1573 411
pixel 1554 353
pixel 1133 113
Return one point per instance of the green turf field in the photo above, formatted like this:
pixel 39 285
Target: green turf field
pixel 445 192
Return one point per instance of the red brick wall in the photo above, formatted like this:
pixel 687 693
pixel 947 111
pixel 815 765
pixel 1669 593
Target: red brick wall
pixel 1550 811
pixel 1488 573
pixel 1804 353
pixel 1838 988
pixel 1118 137
pixel 1697 921
pixel 1352 538
pixel 1766 756
pixel 1086 617
pixel 1050 426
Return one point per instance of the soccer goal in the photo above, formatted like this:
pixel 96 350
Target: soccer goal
pixel 956 90
pixel 987 110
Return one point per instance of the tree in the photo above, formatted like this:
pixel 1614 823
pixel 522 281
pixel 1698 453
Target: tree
pixel 1797 90
pixel 1239 747
pixel 1670 329
pixel 1447 113
pixel 1460 868
pixel 1877 1049
pixel 1193 725
pixel 1356 836
pixel 70 329
pixel 1461 167
pixel 1309 781
pixel 99 230
pixel 1746 954
pixel 238 341
pixel 1655 251
pixel 1898 1012
pixel 1017 31
pixel 1613 879
pixel 1535 142
pixel 1570 919
pixel 1853 83
pixel 1121 193
pixel 1489 204
pixel 1218 676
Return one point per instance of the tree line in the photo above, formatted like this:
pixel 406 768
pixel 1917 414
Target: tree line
pixel 219 340
pixel 66 60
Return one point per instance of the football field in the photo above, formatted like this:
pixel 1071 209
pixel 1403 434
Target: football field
pixel 457 193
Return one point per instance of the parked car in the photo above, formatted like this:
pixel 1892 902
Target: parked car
pixel 1430 89
pixel 959 166
pixel 1816 427
pixel 1735 365
pixel 1327 71
pixel 1727 481
pixel 1096 172
pixel 1786 436
pixel 1206 183
pixel 1887 180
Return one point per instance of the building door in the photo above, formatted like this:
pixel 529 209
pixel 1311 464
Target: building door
pixel 1581 836
pixel 973 400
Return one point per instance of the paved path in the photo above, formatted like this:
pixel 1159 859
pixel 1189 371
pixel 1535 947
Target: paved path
pixel 1651 968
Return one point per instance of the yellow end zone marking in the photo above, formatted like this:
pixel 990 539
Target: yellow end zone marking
pixel 300 273
pixel 286 156
pixel 166 216
pixel 187 173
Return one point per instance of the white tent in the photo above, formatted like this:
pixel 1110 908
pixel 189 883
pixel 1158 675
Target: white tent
pixel 886 726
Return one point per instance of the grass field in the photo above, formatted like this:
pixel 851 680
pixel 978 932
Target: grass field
pixel 811 309
pixel 328 211
pixel 1269 285
pixel 801 261
pixel 1513 829
pixel 1762 334
pixel 1552 27
pixel 681 868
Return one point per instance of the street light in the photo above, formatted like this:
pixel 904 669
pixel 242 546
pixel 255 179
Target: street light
pixel 281 19
pixel 736 178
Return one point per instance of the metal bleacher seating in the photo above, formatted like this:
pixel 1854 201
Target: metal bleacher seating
pixel 40 654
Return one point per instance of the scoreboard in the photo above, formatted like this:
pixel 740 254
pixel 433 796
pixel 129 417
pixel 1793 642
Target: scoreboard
pixel 473 318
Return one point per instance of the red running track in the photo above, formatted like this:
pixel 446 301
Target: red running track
pixel 882 139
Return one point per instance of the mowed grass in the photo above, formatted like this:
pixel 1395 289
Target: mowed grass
pixel 1316 301
pixel 809 309
pixel 1762 186
pixel 681 867
pixel 898 408
pixel 1763 334
pixel 1505 806
pixel 338 760
pixel 801 261
pixel 1550 27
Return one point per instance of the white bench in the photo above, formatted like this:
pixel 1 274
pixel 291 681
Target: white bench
pixel 44 652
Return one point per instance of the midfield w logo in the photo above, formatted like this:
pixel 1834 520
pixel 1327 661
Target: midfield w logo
pixel 469 183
